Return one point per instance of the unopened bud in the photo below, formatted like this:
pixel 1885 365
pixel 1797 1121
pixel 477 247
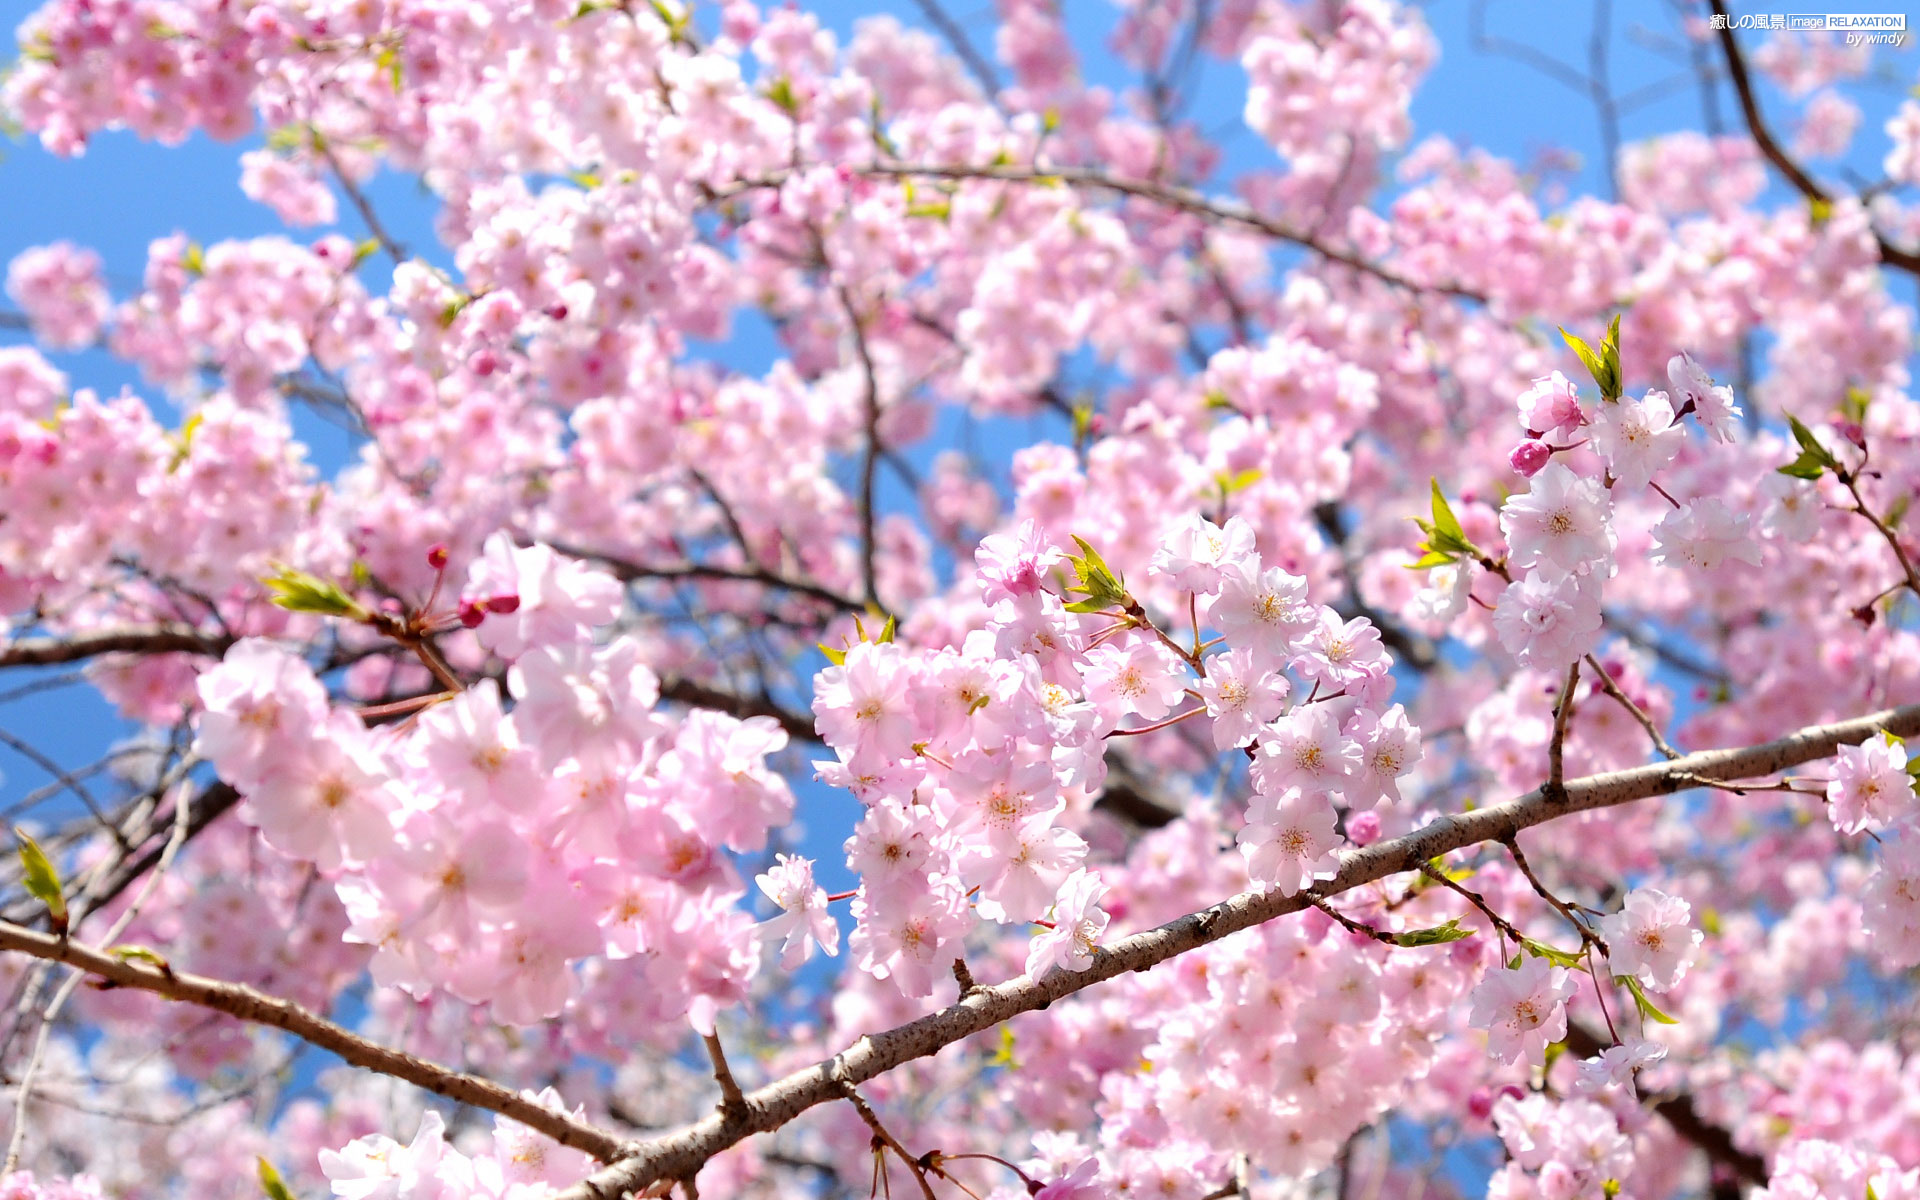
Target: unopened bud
pixel 1363 828
pixel 484 362
pixel 1853 432
pixel 1529 456
pixel 503 604
pixel 471 613
pixel 437 556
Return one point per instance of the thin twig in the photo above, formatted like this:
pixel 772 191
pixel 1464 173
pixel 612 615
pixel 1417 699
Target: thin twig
pixel 1612 689
pixel 1587 936
pixel 732 1100
pixel 870 398
pixel 361 205
pixel 1167 195
pixel 882 1138
pixel 1562 713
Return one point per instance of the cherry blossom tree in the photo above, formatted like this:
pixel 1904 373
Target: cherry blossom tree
pixel 1351 673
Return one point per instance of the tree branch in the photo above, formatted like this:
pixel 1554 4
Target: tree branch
pixel 1172 196
pixel 156 639
pixel 1890 254
pixel 248 1004
pixel 677 1154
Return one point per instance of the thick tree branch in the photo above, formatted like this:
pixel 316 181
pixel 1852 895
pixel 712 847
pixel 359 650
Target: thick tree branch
pixel 678 1154
pixel 155 639
pixel 248 1004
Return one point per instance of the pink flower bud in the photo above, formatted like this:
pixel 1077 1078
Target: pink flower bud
pixel 484 362
pixel 471 613
pixel 1363 828
pixel 1480 1104
pixel 503 604
pixel 557 311
pixel 1529 456
pixel 437 556
pixel 1853 432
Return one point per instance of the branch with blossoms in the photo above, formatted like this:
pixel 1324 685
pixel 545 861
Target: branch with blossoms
pixel 679 1154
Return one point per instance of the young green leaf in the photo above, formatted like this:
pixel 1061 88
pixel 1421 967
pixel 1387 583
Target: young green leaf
pixel 1647 1007
pixel 297 591
pixel 1814 457
pixel 836 657
pixel 42 880
pixel 1596 366
pixel 145 954
pixel 1436 936
pixel 270 1181
pixel 1554 955
pixel 1443 519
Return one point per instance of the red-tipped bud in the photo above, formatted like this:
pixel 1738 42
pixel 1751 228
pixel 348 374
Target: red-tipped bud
pixel 437 556
pixel 484 362
pixel 503 604
pixel 471 613
pixel 1854 432
pixel 557 311
pixel 1529 456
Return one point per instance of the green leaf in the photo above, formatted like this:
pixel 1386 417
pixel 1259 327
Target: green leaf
pixel 784 98
pixel 1596 366
pixel 1819 211
pixel 1810 444
pixel 42 880
pixel 1003 1057
pixel 1807 466
pixel 1610 1189
pixel 1089 606
pixel 297 591
pixel 938 210
pixel 1436 936
pixel 1216 401
pixel 1647 1007
pixel 836 657
pixel 1049 120
pixel 1443 519
pixel 1239 481
pixel 886 631
pixel 270 1181
pixel 1553 954
pixel 1082 423
pixel 1103 588
pixel 388 60
pixel 145 954
pixel 1814 457
pixel 195 259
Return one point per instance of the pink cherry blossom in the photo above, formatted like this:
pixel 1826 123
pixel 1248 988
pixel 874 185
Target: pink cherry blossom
pixel 1651 937
pixel 1871 787
pixel 1522 1009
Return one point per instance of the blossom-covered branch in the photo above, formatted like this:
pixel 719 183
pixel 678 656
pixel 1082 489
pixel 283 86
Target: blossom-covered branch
pixel 681 1153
